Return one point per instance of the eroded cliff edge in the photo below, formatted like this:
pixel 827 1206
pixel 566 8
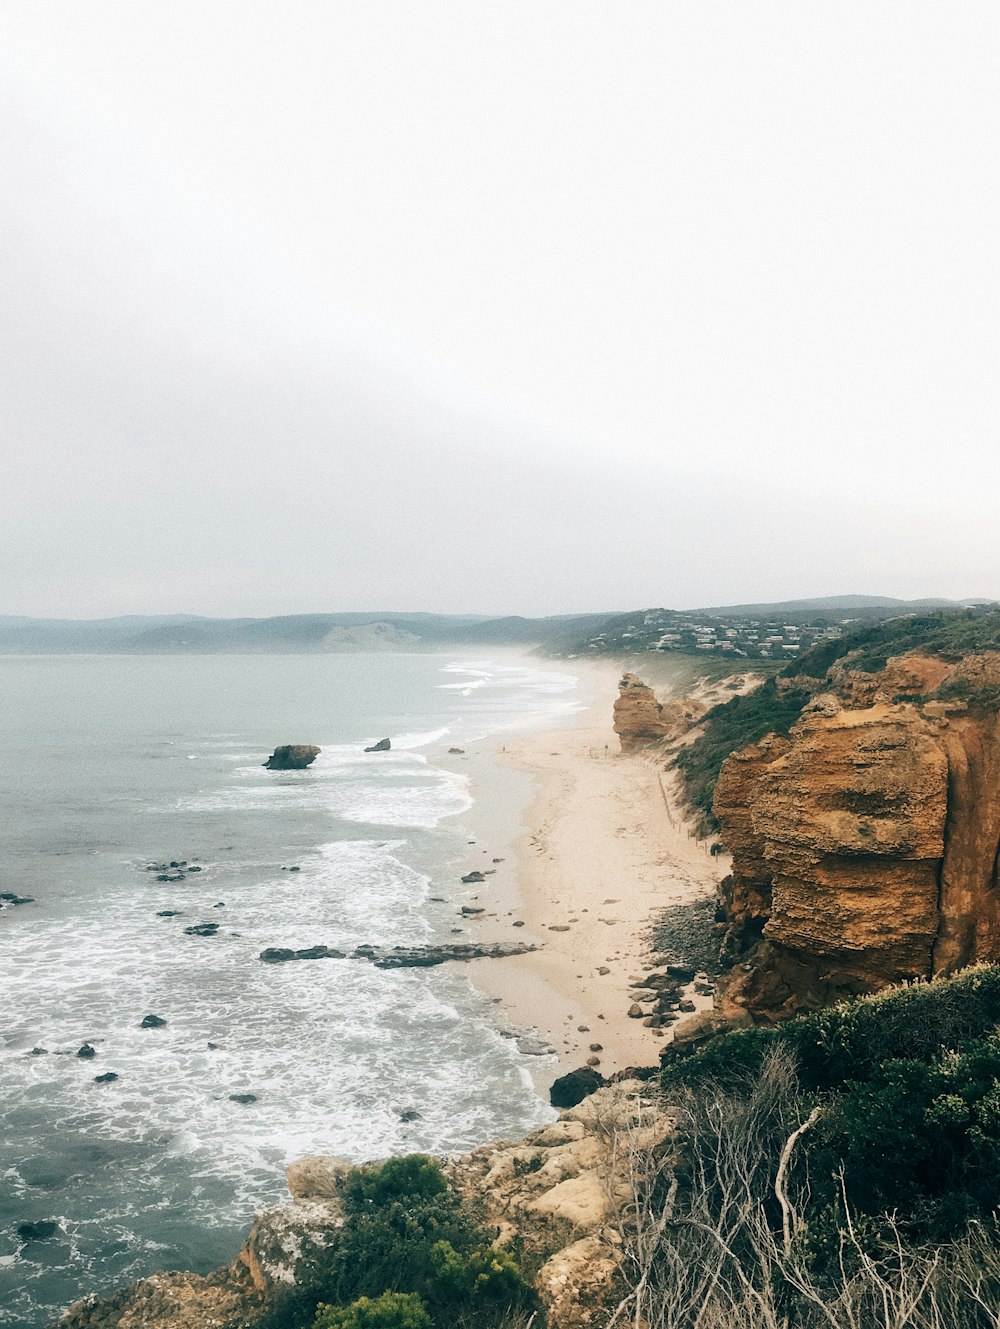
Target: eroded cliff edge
pixel 864 842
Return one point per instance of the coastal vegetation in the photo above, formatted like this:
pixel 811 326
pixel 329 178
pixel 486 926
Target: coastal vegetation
pixel 408 1256
pixel 842 1170
pixel 951 633
pixel 732 725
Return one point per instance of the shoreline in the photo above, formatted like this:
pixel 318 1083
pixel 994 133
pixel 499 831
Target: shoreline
pixel 600 850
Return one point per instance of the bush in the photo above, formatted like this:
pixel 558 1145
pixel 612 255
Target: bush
pixel 405 1234
pixel 411 1177
pixel 392 1310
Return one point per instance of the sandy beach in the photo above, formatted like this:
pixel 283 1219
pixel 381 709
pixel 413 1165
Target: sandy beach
pixel 602 849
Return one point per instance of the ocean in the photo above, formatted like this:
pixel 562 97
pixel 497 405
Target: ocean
pixel 109 765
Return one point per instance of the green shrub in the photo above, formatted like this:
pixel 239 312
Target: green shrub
pixel 410 1177
pixel 392 1310
pixel 405 1233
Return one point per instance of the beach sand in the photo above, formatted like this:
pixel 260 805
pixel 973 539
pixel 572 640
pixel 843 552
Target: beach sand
pixel 602 849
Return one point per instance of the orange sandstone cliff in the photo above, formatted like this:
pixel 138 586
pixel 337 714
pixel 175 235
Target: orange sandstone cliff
pixel 865 842
pixel 640 720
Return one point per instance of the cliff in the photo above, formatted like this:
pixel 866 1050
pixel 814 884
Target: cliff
pixel 640 720
pixel 865 841
pixel 559 1197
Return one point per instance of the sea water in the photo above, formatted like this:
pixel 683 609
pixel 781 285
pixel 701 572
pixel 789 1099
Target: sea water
pixel 111 764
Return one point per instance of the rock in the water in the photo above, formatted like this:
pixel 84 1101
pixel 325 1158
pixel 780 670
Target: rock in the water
pixel 383 745
pixel 108 1077
pixel 169 913
pixel 243 1098
pixel 86 1051
pixel 471 878
pixel 38 1052
pixel 152 1022
pixel 409 1114
pixel 40 1231
pixel 202 930
pixel 573 1088
pixel 281 954
pixel 8 897
pixel 292 757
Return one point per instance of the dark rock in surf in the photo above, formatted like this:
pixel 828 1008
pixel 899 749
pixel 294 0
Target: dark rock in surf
pixel 410 1114
pixel 383 745
pixel 86 1051
pixel 8 897
pixel 152 1022
pixel 108 1077
pixel 169 913
pixel 282 954
pixel 38 1052
pixel 243 1098
pixel 202 930
pixel 471 878
pixel 573 1088
pixel 40 1231
pixel 292 757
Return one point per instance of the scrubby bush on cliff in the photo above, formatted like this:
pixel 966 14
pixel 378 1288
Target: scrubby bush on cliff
pixel 405 1232
pixel 907 1085
pixel 392 1310
pixel 749 1220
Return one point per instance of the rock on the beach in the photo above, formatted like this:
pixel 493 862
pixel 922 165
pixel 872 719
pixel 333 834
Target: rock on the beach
pixel 292 757
pixel 383 745
pixel 575 1086
pixel 471 878
pixel 456 752
pixel 635 1011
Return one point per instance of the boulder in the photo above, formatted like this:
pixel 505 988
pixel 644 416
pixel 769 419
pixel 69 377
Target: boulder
pixel 574 1087
pixel 86 1051
pixel 292 757
pixel 202 930
pixel 243 1098
pixel 152 1022
pixel 472 878
pixel 383 745
pixel 108 1077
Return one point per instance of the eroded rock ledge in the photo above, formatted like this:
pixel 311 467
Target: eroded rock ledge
pixel 562 1194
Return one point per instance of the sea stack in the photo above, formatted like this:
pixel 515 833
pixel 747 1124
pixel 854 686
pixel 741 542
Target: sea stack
pixel 292 757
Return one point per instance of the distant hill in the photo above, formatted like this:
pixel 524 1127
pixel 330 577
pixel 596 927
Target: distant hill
pixel 186 634
pixel 752 632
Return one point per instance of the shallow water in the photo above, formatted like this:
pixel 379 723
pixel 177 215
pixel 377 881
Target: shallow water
pixel 110 764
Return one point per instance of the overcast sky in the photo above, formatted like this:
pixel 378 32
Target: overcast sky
pixel 496 306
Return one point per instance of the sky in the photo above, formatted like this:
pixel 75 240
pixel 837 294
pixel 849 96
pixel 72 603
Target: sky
pixel 499 307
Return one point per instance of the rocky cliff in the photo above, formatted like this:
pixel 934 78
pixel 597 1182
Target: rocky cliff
pixel 560 1196
pixel 864 842
pixel 640 720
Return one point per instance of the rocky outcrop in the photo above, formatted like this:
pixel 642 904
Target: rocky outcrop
pixel 865 842
pixel 292 757
pixel 383 745
pixel 640 720
pixel 403 957
pixel 559 1196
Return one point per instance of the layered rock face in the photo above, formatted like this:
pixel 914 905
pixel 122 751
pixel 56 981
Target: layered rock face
pixel 865 843
pixel 641 720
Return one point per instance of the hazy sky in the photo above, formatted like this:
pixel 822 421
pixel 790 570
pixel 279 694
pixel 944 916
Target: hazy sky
pixel 496 306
